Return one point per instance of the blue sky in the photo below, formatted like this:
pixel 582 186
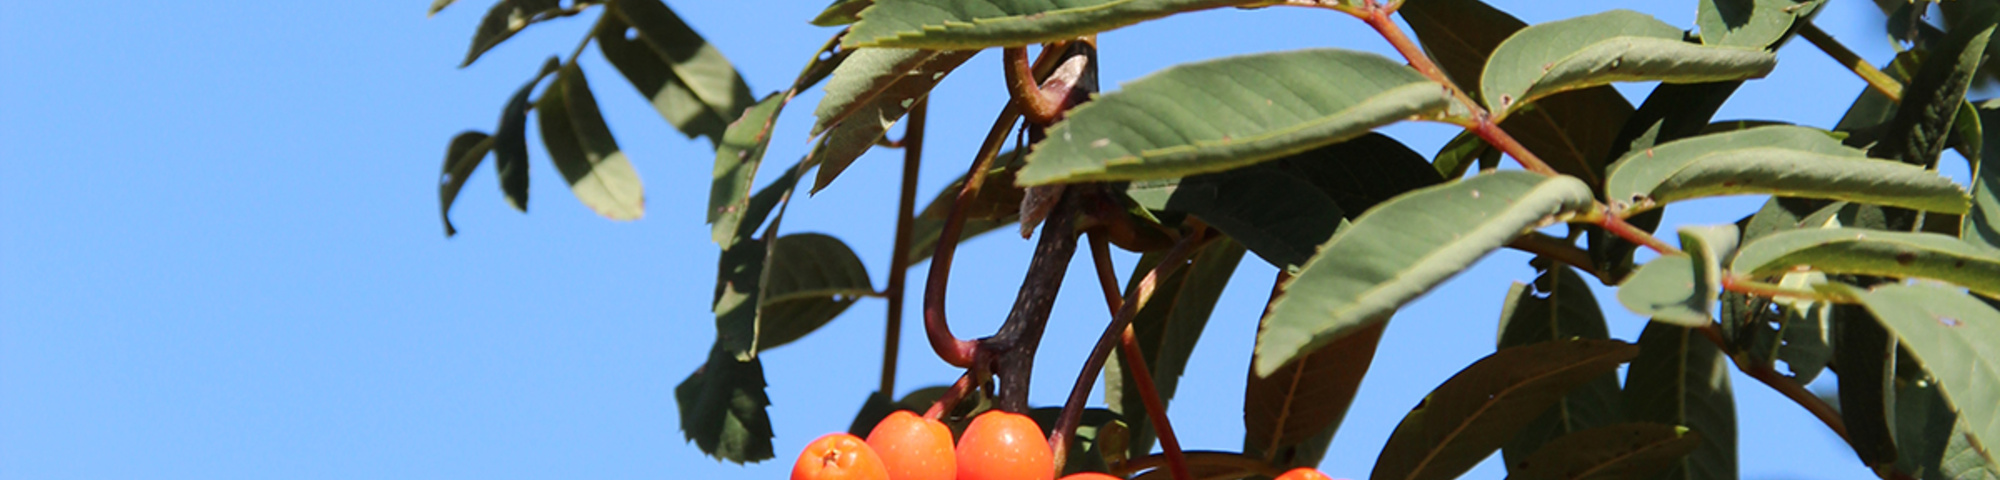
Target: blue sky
pixel 220 255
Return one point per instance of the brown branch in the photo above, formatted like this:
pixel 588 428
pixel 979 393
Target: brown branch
pixel 1010 352
pixel 899 271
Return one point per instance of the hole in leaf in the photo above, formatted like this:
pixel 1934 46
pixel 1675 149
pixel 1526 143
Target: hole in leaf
pixel 632 34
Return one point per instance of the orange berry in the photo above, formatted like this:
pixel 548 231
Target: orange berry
pixel 839 456
pixel 914 448
pixel 1303 473
pixel 1090 476
pixel 1004 446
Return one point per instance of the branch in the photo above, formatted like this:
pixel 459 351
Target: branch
pixel 1481 122
pixel 1010 352
pixel 906 205
pixel 937 327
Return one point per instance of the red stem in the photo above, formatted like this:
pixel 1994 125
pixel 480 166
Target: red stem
pixel 899 271
pixel 1155 409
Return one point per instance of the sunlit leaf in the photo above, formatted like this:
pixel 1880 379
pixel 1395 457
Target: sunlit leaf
pixel 1402 248
pixel 976 24
pixel 1951 334
pixel 1680 378
pixel 1222 114
pixel 722 408
pixel 1874 252
pixel 510 141
pixel 1778 160
pixel 667 70
pixel 695 62
pixel 1628 450
pixel 1167 329
pixel 841 12
pixel 870 91
pixel 1754 23
pixel 1558 306
pixel 464 155
pixel 506 18
pixel 1614 46
pixel 1476 411
pixel 581 146
pixel 737 157
pixel 1309 395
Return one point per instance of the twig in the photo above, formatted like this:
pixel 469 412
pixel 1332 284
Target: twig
pixel 937 327
pixel 1107 279
pixel 1557 249
pixel 899 271
pixel 1483 123
pixel 1867 71
pixel 1156 410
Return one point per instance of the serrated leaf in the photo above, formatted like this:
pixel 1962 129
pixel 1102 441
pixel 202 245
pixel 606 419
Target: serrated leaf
pixel 1614 46
pixel 1754 23
pixel 1558 306
pixel 1874 252
pixel 1777 160
pixel 1166 329
pixel 737 157
pixel 1222 114
pixel 977 24
pixel 1629 450
pixel 510 141
pixel 1981 225
pixel 869 92
pixel 1680 378
pixel 1476 411
pixel 722 408
pixel 810 279
pixel 687 80
pixel 1308 395
pixel 841 12
pixel 464 155
pixel 1951 334
pixel 581 146
pixel 506 18
pixel 1402 248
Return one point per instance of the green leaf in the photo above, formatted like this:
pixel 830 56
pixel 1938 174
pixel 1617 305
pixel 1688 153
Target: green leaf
pixel 1752 23
pixel 1981 225
pixel 1680 378
pixel 1930 437
pixel 1479 409
pixel 809 280
pixel 582 148
pixel 723 408
pixel 1682 290
pixel 1086 456
pixel 997 205
pixel 841 12
pixel 1777 160
pixel 1167 329
pixel 510 141
pixel 1936 94
pixel 505 19
pixel 1627 450
pixel 1558 306
pixel 1614 46
pixel 1222 114
pixel 737 157
pixel 1458 155
pixel 467 150
pixel 1951 334
pixel 1460 35
pixel 438 5
pixel 1867 360
pixel 977 24
pixel 687 80
pixel 1309 395
pixel 1402 248
pixel 869 92
pixel 1671 112
pixel 739 272
pixel 1874 252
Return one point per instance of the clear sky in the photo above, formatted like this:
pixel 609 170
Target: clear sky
pixel 220 254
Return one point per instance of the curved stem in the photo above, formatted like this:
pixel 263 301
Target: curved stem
pixel 1079 394
pixel 1107 279
pixel 1039 108
pixel 899 271
pixel 937 327
pixel 951 396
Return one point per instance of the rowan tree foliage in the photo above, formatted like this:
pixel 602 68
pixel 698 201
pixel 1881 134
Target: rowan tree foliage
pixel 1864 261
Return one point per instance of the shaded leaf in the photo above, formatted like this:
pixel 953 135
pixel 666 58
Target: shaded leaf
pixel 1558 306
pixel 997 205
pixel 1751 23
pixel 1614 46
pixel 1086 456
pixel 1460 35
pixel 810 279
pixel 656 75
pixel 1402 248
pixel 510 141
pixel 1936 94
pixel 1166 329
pixel 1458 155
pixel 1628 450
pixel 1981 225
pixel 438 5
pixel 581 146
pixel 506 18
pixel 737 157
pixel 723 408
pixel 695 62
pixel 467 150
pixel 1280 217
pixel 1308 395
pixel 1479 409
pixel 1362 172
pixel 869 92
pixel 878 406
pixel 1671 112
pixel 1874 252
pixel 1867 360
pixel 1222 114
pixel 1929 436
pixel 1681 379
pixel 841 12
pixel 1778 160
pixel 1951 335
pixel 977 24
pixel 1682 289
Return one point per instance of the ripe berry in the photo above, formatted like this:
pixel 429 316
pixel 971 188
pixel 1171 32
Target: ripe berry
pixel 1004 446
pixel 839 456
pixel 914 448
pixel 1303 473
